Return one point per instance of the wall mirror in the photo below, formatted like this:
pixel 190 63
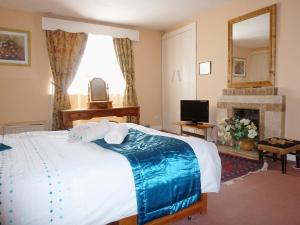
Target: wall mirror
pixel 251 49
pixel 97 90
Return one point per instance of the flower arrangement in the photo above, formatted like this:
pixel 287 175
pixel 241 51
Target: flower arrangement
pixel 237 129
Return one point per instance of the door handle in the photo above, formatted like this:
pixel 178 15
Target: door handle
pixel 173 76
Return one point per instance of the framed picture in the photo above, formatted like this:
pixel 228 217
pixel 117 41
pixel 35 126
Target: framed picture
pixel 14 47
pixel 239 67
pixel 205 68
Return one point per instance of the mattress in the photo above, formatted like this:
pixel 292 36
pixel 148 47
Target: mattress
pixel 48 179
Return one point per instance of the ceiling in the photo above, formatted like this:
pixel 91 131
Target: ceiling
pixel 152 14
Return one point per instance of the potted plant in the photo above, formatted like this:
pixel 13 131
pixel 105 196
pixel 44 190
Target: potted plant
pixel 241 131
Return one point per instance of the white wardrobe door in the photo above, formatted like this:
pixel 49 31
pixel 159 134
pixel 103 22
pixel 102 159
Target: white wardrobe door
pixel 179 75
pixel 168 81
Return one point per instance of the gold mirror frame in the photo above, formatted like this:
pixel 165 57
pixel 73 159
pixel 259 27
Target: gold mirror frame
pixel 272 47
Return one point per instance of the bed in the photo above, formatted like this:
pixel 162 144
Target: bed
pixel 47 179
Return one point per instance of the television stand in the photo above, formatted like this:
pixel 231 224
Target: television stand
pixel 198 123
pixel 195 126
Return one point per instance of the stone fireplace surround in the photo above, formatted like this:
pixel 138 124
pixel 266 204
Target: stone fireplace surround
pixel 271 108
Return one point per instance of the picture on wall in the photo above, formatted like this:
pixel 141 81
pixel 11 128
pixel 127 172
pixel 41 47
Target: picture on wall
pixel 239 67
pixel 205 68
pixel 14 47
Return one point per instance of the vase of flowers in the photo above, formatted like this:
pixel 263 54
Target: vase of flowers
pixel 241 132
pixel 246 144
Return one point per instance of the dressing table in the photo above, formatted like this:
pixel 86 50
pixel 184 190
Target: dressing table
pixel 98 105
pixel 71 115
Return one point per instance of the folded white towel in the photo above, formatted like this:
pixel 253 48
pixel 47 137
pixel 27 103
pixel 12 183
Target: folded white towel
pixel 112 124
pixel 117 134
pixel 75 133
pixel 96 132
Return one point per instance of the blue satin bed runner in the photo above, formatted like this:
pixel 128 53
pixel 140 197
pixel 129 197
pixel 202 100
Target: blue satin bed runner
pixel 166 173
pixel 4 147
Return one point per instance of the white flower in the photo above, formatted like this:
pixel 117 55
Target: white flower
pixel 221 128
pixel 227 136
pixel 245 121
pixel 227 128
pixel 252 133
pixel 253 126
pixel 238 125
pixel 220 133
pixel 222 123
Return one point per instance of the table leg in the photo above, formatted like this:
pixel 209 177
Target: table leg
pixel 298 159
pixel 261 155
pixel 138 116
pixel 205 134
pixel 67 124
pixel 283 163
pixel 274 157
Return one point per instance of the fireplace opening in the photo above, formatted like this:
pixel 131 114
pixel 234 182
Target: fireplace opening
pixel 250 114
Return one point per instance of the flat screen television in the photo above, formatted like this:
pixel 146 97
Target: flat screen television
pixel 195 111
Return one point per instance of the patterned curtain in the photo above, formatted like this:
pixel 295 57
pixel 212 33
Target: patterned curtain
pixel 65 51
pixel 124 52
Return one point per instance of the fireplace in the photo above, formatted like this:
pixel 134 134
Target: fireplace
pixel 262 105
pixel 250 114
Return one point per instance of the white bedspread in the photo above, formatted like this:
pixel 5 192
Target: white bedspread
pixel 46 179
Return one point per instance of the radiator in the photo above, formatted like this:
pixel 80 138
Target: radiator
pixel 11 128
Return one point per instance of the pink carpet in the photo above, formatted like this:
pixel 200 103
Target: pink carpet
pixel 265 198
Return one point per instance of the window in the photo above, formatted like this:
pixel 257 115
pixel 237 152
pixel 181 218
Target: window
pixel 99 60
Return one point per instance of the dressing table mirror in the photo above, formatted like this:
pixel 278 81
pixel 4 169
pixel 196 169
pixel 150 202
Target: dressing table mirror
pixel 98 94
pixel 97 90
pixel 251 49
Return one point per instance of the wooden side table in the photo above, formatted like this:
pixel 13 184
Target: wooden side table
pixel 279 146
pixel 204 127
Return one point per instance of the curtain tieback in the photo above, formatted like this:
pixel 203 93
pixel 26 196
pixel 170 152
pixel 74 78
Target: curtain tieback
pixel 58 88
pixel 129 85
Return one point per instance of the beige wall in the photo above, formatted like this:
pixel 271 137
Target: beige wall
pixel 24 90
pixel 24 94
pixel 212 45
pixel 148 76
